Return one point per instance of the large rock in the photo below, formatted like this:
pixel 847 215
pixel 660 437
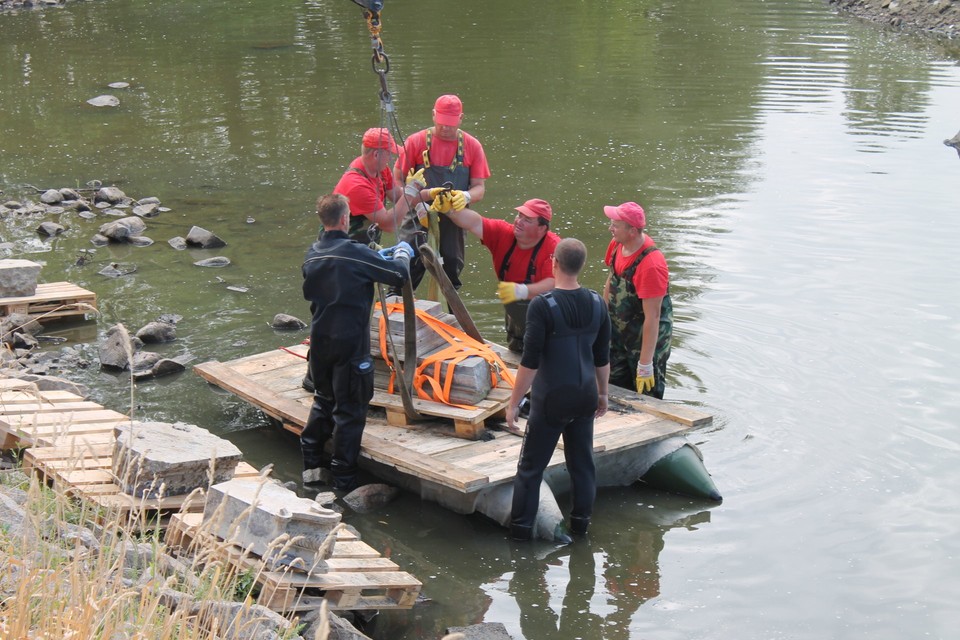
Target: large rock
pixel 151 459
pixel 114 346
pixel 123 228
pixel 272 522
pixel 18 278
pixel 157 332
pixel 204 239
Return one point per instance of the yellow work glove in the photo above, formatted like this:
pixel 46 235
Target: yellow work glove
pixel 441 200
pixel 644 377
pixel 415 182
pixel 417 178
pixel 459 199
pixel 423 215
pixel 511 292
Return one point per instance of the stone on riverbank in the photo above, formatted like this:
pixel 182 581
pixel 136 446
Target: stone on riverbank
pixel 198 236
pixel 280 526
pixel 18 278
pixel 151 459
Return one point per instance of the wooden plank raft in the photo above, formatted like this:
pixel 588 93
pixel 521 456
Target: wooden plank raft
pixel 52 301
pixel 271 381
pixel 283 372
pixel 357 577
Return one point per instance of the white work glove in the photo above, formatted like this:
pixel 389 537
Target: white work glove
pixel 644 377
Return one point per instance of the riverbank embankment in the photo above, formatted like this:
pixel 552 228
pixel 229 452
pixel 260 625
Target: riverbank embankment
pixel 937 17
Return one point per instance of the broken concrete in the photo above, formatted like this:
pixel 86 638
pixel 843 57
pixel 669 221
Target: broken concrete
pixel 272 522
pixel 154 459
pixel 18 278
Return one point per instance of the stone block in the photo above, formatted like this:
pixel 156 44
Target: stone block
pixel 18 278
pixel 154 459
pixel 272 522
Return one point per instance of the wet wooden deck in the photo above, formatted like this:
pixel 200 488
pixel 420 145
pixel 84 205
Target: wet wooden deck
pixel 431 450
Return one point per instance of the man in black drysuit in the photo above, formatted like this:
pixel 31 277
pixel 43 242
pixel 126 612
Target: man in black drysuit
pixel 566 359
pixel 338 280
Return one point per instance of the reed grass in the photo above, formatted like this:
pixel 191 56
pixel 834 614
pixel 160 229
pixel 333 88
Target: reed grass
pixel 75 572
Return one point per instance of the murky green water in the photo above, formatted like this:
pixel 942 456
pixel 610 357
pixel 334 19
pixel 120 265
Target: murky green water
pixel 792 168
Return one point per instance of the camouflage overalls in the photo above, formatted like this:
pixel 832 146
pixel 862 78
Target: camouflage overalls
pixel 626 329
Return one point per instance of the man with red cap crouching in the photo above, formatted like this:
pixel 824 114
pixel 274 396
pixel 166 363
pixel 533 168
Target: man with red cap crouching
pixel 522 255
pixel 446 154
pixel 638 299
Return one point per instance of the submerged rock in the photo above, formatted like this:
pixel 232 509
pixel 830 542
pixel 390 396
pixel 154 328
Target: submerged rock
pixel 370 497
pixel 104 101
pixel 219 261
pixel 282 321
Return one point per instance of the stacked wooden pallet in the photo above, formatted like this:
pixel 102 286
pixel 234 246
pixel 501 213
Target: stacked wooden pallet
pixel 70 441
pixel 356 576
pixel 52 301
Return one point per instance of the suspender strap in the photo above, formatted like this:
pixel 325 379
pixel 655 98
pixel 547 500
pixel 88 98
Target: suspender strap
pixel 531 266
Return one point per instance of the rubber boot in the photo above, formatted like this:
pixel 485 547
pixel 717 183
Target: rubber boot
pixel 521 533
pixel 578 526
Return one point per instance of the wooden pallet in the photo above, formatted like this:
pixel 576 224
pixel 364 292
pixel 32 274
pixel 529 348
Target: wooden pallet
pixel 285 369
pixel 357 577
pixel 69 442
pixel 85 471
pixel 52 301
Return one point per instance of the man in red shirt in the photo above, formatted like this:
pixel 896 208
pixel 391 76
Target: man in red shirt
pixel 637 295
pixel 446 153
pixel 368 183
pixel 522 255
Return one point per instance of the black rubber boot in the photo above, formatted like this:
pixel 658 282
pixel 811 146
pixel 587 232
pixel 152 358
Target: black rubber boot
pixel 307 382
pixel 521 533
pixel 578 526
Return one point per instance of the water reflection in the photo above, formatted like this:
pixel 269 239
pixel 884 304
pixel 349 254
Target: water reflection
pixel 594 587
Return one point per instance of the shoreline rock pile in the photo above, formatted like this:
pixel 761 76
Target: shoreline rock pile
pixel 936 17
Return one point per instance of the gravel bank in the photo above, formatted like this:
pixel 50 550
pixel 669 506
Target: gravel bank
pixel 937 17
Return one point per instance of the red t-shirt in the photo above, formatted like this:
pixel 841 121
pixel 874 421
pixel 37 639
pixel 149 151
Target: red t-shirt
pixel 498 236
pixel 367 194
pixel 651 277
pixel 442 153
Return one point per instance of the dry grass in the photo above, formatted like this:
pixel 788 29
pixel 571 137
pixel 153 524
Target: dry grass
pixel 71 572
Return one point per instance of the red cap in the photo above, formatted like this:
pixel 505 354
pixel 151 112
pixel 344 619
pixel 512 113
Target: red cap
pixel 536 208
pixel 629 212
pixel 379 138
pixel 448 111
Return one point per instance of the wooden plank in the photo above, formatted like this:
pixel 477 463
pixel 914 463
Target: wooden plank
pixel 422 466
pixel 64 418
pixel 15 408
pixel 15 383
pixel 23 395
pixel 678 413
pixel 226 378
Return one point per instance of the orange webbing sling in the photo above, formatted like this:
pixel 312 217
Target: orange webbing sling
pixel 460 346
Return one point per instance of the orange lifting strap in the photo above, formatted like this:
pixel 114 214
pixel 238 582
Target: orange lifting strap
pixel 460 346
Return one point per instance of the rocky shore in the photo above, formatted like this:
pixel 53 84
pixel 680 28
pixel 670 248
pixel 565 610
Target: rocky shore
pixel 936 17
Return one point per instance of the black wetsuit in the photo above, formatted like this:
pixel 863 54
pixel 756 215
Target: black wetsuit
pixel 567 337
pixel 338 280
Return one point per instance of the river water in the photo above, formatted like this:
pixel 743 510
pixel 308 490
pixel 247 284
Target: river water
pixel 791 165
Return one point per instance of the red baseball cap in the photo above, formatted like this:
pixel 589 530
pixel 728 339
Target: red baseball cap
pixel 629 212
pixel 379 138
pixel 536 208
pixel 448 111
